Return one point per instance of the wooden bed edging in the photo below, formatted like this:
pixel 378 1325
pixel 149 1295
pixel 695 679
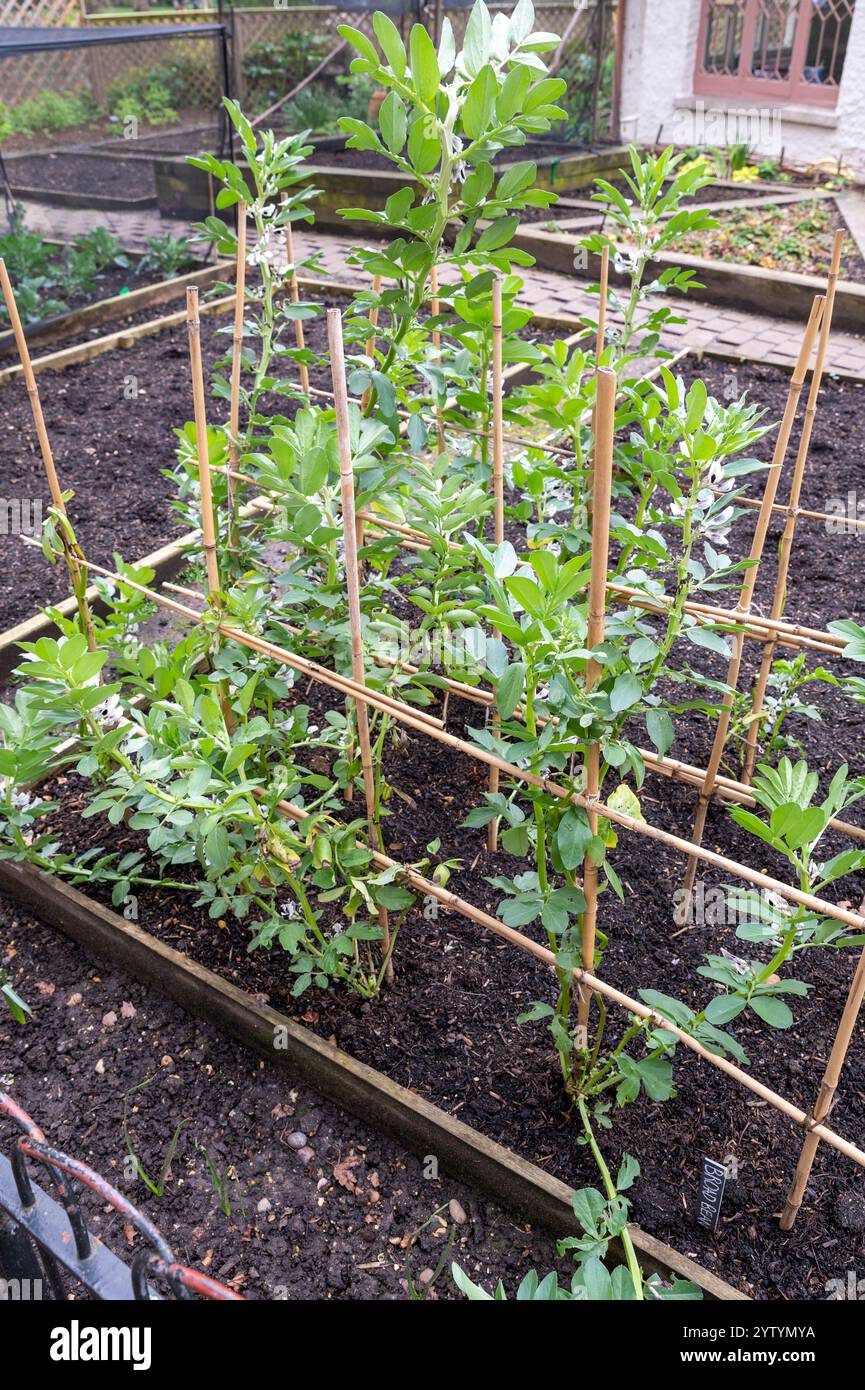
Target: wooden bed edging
pixel 117 306
pixel 167 561
pixel 420 1126
pixel 778 293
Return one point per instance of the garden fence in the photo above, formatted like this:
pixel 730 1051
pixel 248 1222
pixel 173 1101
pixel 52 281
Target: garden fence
pixel 590 32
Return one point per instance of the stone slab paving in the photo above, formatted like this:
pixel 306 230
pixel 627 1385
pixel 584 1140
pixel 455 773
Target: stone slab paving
pixel 733 331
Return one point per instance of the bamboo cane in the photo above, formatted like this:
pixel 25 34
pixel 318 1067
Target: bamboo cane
pixel 498 495
pixel 236 368
pixel 294 293
pixel 849 523
pixel 793 635
pixel 780 595
pixel 602 482
pixel 826 1097
pixel 747 590
pixel 593 984
pixel 352 580
pixel 415 719
pixel 74 562
pixel 208 525
pixel 450 900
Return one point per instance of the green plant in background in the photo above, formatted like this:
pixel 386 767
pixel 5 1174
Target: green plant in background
pixel 321 106
pixel 273 66
pixel 793 825
pixel 153 94
pixel 167 254
pixel 47 111
pixel 787 681
pixel 578 70
pixel 447 114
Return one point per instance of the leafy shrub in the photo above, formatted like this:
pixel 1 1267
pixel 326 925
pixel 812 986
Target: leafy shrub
pixel 168 254
pixel 320 108
pixel 143 94
pixel 273 67
pixel 47 111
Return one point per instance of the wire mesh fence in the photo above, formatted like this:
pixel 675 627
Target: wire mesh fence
pixel 272 47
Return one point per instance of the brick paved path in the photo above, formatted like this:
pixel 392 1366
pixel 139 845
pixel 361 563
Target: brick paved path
pixel 547 291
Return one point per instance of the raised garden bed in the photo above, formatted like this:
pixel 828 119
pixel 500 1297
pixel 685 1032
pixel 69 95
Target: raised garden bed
pixel 70 179
pixel 784 294
pixel 793 237
pixel 394 780
pixel 95 1035
pixel 352 178
pixel 110 304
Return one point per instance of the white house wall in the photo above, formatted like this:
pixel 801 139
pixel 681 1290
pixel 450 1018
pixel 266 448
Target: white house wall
pixel 658 58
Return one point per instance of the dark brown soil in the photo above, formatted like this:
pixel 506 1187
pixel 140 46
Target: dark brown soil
pixel 106 130
pixel 110 423
pixel 321 1206
pixel 449 1027
pixel 368 159
pixel 66 172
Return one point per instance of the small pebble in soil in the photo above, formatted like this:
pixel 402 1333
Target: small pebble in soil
pixel 850 1210
pixel 306 1154
pixel 457 1213
pixel 297 1140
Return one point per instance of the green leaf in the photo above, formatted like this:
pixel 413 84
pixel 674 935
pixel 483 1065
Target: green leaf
pixel 424 63
pixel 626 691
pixel 498 233
pixel 393 122
pixel 724 1007
pixel 509 690
pixel 424 151
pixel 476 44
pixel 573 837
pixel 708 638
pixel 479 103
pixel 218 848
pixel 772 1011
pixel 392 45
pixel 660 729
pixel 359 40
pixel 629 1171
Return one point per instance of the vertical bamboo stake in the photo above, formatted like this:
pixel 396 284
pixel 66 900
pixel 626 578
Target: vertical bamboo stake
pixel 785 554
pixel 236 365
pixel 369 348
pixel 352 580
pixel 600 338
pixel 498 491
pixel 602 482
pixel 77 572
pixel 294 294
pixel 747 591
pixel 826 1097
pixel 208 526
pixel 602 304
pixel 435 310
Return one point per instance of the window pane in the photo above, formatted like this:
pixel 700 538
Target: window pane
pixel 723 47
pixel 827 41
pixel 774 34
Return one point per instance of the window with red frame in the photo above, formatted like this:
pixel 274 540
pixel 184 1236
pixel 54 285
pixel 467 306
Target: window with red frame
pixel 777 50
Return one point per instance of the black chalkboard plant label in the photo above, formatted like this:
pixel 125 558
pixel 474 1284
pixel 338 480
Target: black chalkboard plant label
pixel 713 1180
